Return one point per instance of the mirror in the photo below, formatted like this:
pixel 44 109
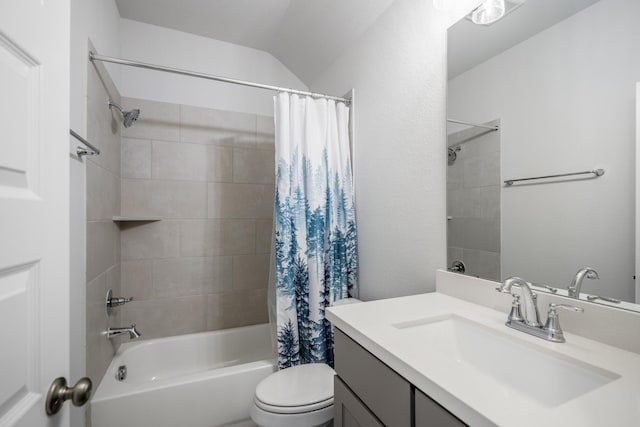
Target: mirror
pixel 557 79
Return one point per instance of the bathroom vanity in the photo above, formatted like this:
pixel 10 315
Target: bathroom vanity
pixel 369 393
pixel 437 360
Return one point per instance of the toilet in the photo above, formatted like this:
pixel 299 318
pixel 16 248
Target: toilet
pixel 299 396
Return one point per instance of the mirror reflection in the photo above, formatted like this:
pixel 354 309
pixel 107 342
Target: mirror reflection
pixel 554 83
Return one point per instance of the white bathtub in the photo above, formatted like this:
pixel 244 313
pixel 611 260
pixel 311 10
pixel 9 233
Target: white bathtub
pixel 198 380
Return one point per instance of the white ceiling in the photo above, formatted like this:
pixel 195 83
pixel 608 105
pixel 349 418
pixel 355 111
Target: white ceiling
pixel 307 36
pixel 470 44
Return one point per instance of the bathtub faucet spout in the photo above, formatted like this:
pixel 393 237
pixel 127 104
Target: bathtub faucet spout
pixel 131 330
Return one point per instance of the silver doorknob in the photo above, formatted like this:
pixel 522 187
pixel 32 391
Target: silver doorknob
pixel 58 393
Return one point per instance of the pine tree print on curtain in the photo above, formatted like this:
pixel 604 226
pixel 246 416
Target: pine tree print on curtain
pixel 315 229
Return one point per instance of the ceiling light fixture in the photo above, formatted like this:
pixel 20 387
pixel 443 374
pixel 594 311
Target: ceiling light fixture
pixel 443 5
pixel 488 12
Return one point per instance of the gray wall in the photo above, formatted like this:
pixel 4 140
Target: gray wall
pixel 398 71
pixel 209 175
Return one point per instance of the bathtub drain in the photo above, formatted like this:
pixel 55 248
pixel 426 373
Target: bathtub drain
pixel 121 375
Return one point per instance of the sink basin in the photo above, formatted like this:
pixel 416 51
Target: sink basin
pixel 540 374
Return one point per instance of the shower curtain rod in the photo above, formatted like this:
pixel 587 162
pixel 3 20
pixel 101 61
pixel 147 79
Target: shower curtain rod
pixel 473 124
pixel 95 57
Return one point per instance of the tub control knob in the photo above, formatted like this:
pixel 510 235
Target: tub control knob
pixel 112 301
pixel 58 393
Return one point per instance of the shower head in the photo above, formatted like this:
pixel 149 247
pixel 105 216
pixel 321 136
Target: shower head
pixel 452 154
pixel 128 116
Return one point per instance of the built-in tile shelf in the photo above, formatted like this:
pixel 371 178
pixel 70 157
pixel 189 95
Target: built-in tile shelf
pixel 136 218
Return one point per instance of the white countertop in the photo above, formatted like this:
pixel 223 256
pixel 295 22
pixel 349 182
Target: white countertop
pixel 476 399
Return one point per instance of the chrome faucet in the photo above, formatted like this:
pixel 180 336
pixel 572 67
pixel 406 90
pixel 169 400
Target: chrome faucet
pixel 576 283
pixel 131 330
pixel 531 315
pixel 457 266
pixel 530 322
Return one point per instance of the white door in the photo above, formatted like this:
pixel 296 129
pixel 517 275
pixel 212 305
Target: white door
pixel 34 207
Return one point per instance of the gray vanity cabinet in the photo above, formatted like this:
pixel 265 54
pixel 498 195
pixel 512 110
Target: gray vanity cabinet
pixel 349 410
pixel 430 414
pixel 374 384
pixel 367 393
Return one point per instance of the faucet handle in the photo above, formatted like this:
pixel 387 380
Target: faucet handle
pixel 552 327
pixel 116 301
pixel 553 306
pixel 592 274
pixel 111 302
pixel 515 315
pixel 607 299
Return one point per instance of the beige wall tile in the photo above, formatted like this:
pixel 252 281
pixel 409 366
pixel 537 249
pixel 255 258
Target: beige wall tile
pixel 200 238
pixel 251 271
pixel 217 240
pixel 167 317
pixel 103 236
pixel 455 175
pixel 481 171
pixel 240 200
pixel 232 200
pixel 265 202
pixel 157 120
pixel 194 162
pixel 95 85
pixel 114 279
pixel 150 240
pixel 100 350
pixel 103 129
pixel 265 132
pixel 231 309
pixel 217 237
pixel 103 193
pixel 102 253
pixel 254 166
pixel 219 165
pixel 136 158
pixel 98 76
pixel 179 277
pixel 137 279
pixel 483 264
pixel 95 295
pixel 208 126
pixel 177 161
pixel 167 199
pixel 238 236
pixel 453 254
pixel 473 200
pixel 118 243
pixel 264 231
pixel 474 233
pixel 480 202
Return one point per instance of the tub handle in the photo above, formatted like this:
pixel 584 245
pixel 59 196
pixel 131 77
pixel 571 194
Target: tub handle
pixel 112 301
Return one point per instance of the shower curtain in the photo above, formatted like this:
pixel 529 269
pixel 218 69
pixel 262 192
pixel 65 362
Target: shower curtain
pixel 315 252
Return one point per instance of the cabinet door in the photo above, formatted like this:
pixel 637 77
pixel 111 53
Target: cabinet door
pixel 379 387
pixel 349 410
pixel 430 414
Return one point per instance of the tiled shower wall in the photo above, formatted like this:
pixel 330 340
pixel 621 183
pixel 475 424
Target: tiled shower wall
pixel 208 176
pixel 473 202
pixel 103 203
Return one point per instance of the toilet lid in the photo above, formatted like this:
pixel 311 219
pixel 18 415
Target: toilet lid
pixel 297 386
